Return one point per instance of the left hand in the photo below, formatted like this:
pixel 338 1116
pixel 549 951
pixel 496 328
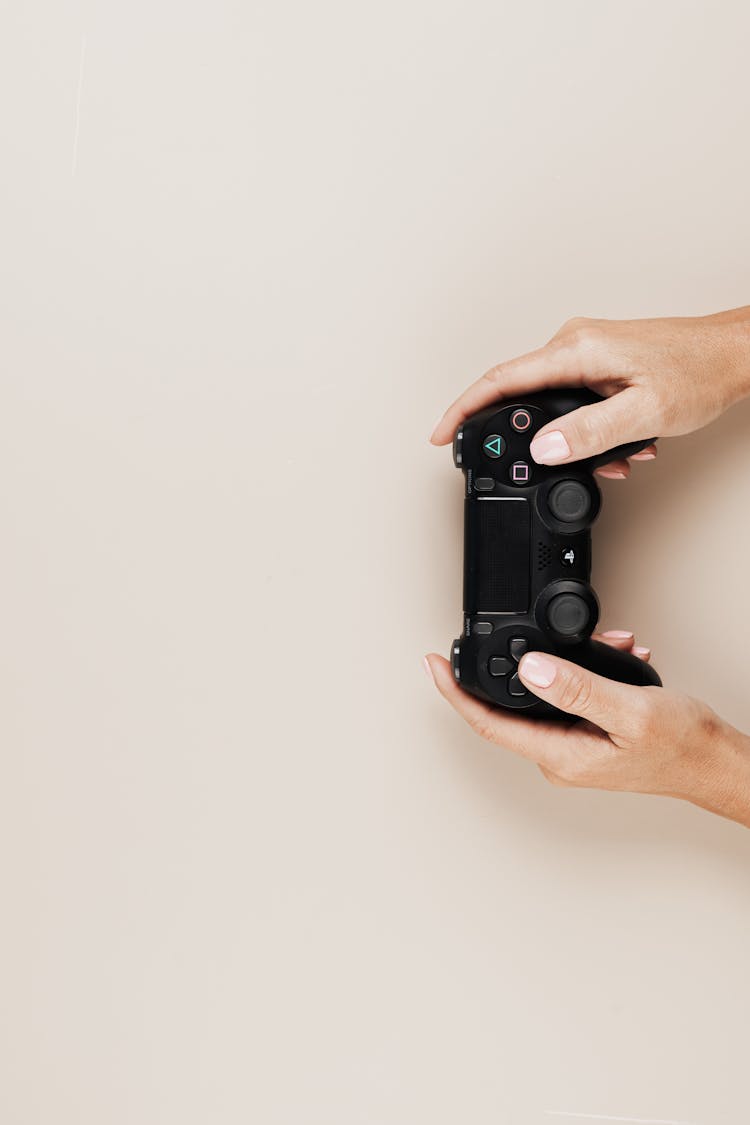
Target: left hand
pixel 640 739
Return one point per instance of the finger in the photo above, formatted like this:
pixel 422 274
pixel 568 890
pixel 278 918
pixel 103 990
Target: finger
pixel 591 430
pixel 647 454
pixel 541 742
pixel 550 366
pixel 621 639
pixel 607 704
pixel 615 470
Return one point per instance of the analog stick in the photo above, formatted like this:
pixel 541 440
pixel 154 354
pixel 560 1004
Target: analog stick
pixel 569 501
pixel 568 615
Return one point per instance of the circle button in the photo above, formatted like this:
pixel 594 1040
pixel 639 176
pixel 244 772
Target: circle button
pixel 569 501
pixel 520 420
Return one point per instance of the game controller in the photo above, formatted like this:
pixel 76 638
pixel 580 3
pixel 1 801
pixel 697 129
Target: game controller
pixel 527 554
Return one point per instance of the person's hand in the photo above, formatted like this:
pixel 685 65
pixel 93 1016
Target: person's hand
pixel 640 739
pixel 659 378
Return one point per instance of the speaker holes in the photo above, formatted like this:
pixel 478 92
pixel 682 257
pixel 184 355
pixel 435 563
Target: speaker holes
pixel 543 556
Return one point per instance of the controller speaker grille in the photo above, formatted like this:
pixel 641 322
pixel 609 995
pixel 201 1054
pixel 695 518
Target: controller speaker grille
pixel 543 555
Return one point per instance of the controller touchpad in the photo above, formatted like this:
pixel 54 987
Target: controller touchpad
pixel 502 580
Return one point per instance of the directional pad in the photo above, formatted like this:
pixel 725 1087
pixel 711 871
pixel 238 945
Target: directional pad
pixel 518 646
pixel 500 666
pixel 515 687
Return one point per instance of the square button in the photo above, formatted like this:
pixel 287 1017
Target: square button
pixel 520 472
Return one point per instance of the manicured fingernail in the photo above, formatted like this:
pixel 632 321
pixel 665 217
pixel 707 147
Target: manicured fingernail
pixel 612 474
pixel 537 669
pixel 428 670
pixel 618 634
pixel 643 456
pixel 550 449
pixel 639 650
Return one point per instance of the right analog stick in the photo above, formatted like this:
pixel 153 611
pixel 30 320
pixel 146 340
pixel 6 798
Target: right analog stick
pixel 568 615
pixel 569 501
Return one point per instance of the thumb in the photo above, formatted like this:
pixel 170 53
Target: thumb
pixel 606 703
pixel 591 430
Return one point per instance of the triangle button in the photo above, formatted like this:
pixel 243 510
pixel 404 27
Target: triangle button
pixel 494 446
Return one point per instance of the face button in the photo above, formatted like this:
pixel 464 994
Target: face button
pixel 569 501
pixel 568 615
pixel 482 628
pixel 493 446
pixel 520 473
pixel 500 666
pixel 515 687
pixel 517 647
pixel 520 420
pixel 484 484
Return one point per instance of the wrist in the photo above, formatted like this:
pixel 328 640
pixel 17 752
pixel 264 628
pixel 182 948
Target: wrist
pixel 733 330
pixel 723 780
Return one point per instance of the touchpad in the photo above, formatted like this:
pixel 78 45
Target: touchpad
pixel 502 555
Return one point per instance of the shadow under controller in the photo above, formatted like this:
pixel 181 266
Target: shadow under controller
pixel 527 554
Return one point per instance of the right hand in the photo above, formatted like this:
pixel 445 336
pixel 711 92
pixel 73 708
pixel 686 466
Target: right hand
pixel 658 378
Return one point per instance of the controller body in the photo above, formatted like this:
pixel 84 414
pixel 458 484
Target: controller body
pixel 527 554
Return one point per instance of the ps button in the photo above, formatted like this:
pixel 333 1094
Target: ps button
pixel 515 687
pixel 493 446
pixel 484 484
pixel 482 628
pixel 520 472
pixel 500 666
pixel 520 420
pixel 518 646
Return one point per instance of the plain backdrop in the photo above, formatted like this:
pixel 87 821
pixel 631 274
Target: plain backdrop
pixel 253 869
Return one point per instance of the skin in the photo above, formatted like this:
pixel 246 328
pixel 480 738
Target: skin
pixel 667 377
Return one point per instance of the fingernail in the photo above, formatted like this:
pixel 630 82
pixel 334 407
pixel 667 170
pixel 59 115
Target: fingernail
pixel 435 427
pixel 612 474
pixel 428 670
pixel 549 449
pixel 538 669
pixel 643 456
pixel 618 634
pixel 639 650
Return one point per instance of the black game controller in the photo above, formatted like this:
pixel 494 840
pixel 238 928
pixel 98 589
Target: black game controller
pixel 527 554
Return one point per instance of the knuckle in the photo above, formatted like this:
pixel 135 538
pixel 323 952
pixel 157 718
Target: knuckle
pixel 482 727
pixel 581 332
pixel 595 429
pixel 494 375
pixel 575 693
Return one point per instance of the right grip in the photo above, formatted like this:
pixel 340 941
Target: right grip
pixel 616 665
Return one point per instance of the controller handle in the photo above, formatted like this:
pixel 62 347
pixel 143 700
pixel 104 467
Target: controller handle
pixel 614 664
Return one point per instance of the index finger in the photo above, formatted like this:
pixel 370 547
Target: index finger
pixel 553 365
pixel 542 742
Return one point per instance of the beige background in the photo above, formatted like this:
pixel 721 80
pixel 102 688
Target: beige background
pixel 253 870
